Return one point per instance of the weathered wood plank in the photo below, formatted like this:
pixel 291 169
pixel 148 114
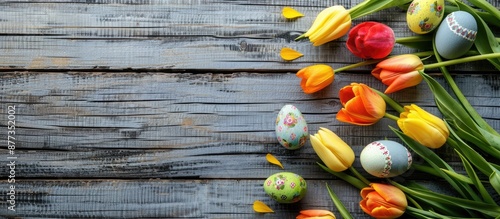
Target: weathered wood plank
pixel 154 125
pixel 164 199
pixel 171 34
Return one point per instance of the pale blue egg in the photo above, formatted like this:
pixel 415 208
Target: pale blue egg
pixel 385 159
pixel 456 34
pixel 291 128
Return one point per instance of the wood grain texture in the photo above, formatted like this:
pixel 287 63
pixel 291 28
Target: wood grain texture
pixel 181 145
pixel 172 34
pixel 164 199
pixel 166 108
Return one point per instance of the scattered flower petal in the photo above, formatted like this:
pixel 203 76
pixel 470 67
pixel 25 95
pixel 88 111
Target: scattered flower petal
pixel 261 207
pixel 289 54
pixel 271 159
pixel 291 13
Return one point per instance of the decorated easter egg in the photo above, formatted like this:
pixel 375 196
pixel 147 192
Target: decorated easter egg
pixel 285 187
pixel 456 34
pixel 423 16
pixel 291 128
pixel 385 158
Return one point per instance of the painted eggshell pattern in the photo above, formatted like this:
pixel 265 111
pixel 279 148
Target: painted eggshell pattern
pixel 423 16
pixel 385 159
pixel 291 128
pixel 285 187
pixel 456 34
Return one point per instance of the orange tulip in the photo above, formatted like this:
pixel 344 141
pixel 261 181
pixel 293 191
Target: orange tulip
pixel 317 214
pixel 383 201
pixel 399 72
pixel 362 105
pixel 315 77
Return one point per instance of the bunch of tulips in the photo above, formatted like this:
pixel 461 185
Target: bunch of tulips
pixel 475 142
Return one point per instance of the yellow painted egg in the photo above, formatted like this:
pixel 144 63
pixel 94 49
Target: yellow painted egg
pixel 423 16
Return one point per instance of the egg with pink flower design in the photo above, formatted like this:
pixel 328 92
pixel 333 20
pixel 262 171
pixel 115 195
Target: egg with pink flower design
pixel 423 16
pixel 291 128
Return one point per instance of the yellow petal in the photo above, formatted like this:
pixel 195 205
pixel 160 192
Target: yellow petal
pixel 291 13
pixel 289 54
pixel 271 159
pixel 261 207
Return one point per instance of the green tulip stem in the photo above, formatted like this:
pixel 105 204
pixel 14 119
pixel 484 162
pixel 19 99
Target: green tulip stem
pixel 395 105
pixel 462 60
pixel 359 64
pixel 390 116
pixel 358 175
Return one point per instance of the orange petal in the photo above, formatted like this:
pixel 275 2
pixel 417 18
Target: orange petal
pixel 261 207
pixel 291 13
pixel 271 159
pixel 289 54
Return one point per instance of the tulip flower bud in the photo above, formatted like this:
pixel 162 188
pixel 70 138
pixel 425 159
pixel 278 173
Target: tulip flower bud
pixel 371 40
pixel 362 106
pixel 423 127
pixel 383 201
pixel 330 24
pixel 315 77
pixel 399 72
pixel 316 214
pixel 332 150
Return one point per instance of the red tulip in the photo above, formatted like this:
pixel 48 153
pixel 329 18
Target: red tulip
pixel 399 72
pixel 383 201
pixel 362 105
pixel 371 40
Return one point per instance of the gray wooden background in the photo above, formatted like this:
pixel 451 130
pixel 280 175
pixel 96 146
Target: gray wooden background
pixel 166 108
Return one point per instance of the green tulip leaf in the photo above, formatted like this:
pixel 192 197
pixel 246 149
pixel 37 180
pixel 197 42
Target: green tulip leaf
pixel 346 177
pixel 476 159
pixel 458 176
pixel 342 209
pixel 487 7
pixel 492 210
pixel 495 180
pixel 461 97
pixel 371 6
pixel 437 163
pixel 475 180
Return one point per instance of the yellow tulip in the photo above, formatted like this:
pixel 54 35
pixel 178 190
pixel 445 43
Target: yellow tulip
pixel 315 77
pixel 315 214
pixel 330 24
pixel 332 150
pixel 423 127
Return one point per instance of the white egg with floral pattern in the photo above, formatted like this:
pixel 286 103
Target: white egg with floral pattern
pixel 385 159
pixel 291 128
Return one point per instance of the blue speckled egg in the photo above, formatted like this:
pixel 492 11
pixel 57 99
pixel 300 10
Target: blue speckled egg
pixel 456 34
pixel 291 128
pixel 385 159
